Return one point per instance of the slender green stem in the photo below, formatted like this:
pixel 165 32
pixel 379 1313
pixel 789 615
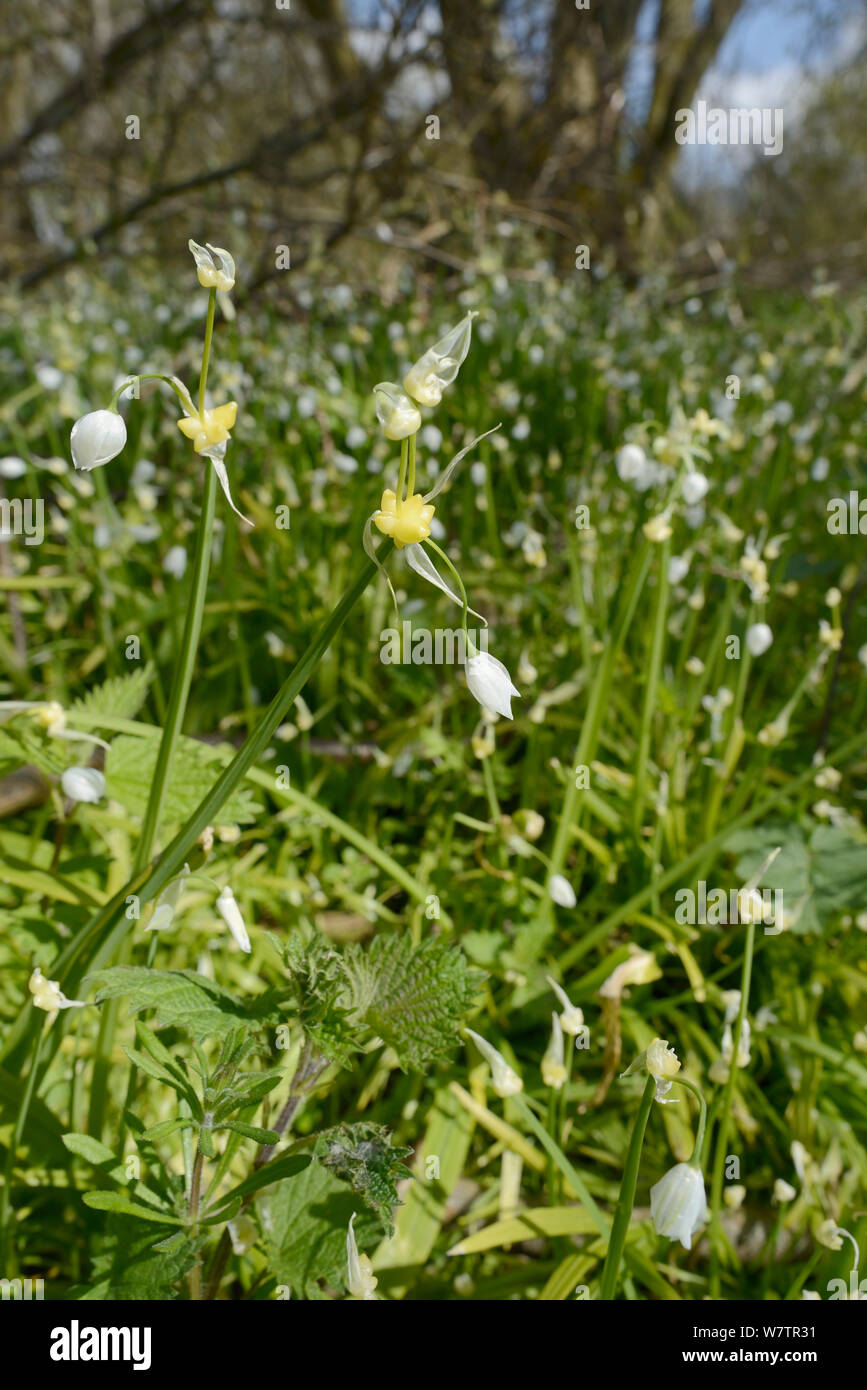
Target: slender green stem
pixel 410 485
pixel 7 1244
pixel 626 1199
pixel 457 578
pixel 652 686
pixel 556 1153
pixel 725 1115
pixel 401 477
pixel 698 1145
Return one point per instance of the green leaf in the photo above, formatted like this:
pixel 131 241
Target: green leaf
pixel 121 697
pixel 162 1130
pixel 181 998
pixel 289 1166
pixel 115 1201
pixel 413 996
pixel 262 1136
pixel 86 1147
pixel 362 1155
pixel 131 1266
pixel 820 873
pixel 306 1232
pixel 129 772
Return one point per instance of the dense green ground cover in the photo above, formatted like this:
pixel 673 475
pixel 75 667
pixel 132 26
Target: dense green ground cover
pixel 388 810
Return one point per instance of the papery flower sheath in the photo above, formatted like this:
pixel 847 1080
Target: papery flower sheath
pixel 505 1081
pixel 437 368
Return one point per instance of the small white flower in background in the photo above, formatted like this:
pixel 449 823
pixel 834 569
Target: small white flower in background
pixel 504 1080
pixel 214 266
pixel 83 784
pixel 360 1279
pixel 553 1063
pixel 657 529
pixel 231 915
pixel 96 439
pixel 801 1158
pixel 831 637
pixel 831 1235
pixel 678 1205
pixel 678 568
pixel 48 995
pixel 175 562
pixel 758 638
pixel 862 655
pixel 639 969
pixel 166 904
pixel 693 488
pixel 437 368
pixel 243 1234
pixel 572 1018
pixel 12 467
pixel 783 1191
pixel 734 1195
pixel 630 462
pixel 395 411
pixel 694 666
pixel 490 683
pixel 560 891
pixel 809 1295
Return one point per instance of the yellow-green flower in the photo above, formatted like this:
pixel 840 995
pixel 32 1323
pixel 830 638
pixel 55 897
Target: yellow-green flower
pixel 214 266
pixel 407 521
pixel 206 428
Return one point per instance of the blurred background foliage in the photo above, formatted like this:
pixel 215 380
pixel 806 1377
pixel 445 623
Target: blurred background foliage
pixel 306 123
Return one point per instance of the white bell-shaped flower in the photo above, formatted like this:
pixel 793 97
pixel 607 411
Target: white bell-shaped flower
pixel 83 784
pixel 96 439
pixel 490 683
pixel 678 1205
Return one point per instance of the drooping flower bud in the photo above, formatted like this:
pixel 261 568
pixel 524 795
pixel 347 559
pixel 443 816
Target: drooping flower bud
pixel 96 439
pixel 231 915
pixel 572 1018
pixel 560 891
pixel 490 683
pixel 360 1279
pixel 437 368
pixel 504 1080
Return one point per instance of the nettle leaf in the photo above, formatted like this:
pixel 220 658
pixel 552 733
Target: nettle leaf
pixel 181 998
pixel 362 1155
pixel 132 1266
pixel 821 872
pixel 411 996
pixel 319 977
pixel 120 697
pixel 307 1219
pixel 129 772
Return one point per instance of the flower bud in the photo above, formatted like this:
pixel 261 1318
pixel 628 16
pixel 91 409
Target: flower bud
pixel 395 411
pixel 560 891
pixel 504 1080
pixel 758 638
pixel 360 1278
pixel 437 368
pixel 572 1018
pixel 215 267
pixel 96 439
pixel 553 1063
pixel 231 915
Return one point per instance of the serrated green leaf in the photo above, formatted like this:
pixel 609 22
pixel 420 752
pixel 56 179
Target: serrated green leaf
pixel 121 697
pixel 129 772
pixel 362 1155
pixel 181 998
pixel 306 1232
